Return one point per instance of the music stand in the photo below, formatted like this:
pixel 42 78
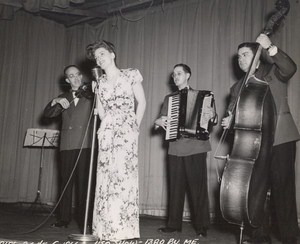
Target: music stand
pixel 41 138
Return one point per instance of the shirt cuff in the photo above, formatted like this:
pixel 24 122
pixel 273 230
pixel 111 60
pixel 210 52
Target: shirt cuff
pixel 273 50
pixel 53 103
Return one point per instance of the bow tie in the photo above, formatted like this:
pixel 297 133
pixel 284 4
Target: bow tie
pixel 76 93
pixel 184 90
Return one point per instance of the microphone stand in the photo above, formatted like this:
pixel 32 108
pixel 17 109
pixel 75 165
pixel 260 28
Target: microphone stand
pixel 86 237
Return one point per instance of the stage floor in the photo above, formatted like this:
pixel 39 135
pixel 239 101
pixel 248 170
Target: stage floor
pixel 20 224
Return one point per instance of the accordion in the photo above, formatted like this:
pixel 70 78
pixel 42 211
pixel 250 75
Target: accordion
pixel 186 113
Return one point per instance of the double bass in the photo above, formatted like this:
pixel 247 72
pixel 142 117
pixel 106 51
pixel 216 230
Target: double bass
pixel 245 183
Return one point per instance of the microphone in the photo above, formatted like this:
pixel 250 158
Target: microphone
pixel 97 72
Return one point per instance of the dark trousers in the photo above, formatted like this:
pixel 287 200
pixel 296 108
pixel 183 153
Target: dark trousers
pixel 68 159
pixel 283 194
pixel 188 175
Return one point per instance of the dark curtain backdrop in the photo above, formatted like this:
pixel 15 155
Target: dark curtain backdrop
pixel 203 34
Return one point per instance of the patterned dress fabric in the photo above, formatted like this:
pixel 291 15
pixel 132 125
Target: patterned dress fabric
pixel 116 208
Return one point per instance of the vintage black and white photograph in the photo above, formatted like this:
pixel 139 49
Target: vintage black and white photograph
pixel 149 121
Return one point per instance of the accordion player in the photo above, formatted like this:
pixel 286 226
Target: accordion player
pixel 186 112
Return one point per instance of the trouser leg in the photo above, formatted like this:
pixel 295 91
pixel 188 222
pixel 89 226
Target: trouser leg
pixel 67 161
pixel 196 171
pixel 283 189
pixel 283 198
pixel 177 189
pixel 82 178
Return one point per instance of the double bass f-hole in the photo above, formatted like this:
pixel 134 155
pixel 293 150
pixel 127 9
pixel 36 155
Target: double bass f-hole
pixel 244 182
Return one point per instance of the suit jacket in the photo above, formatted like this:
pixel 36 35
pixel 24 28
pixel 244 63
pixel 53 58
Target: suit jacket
pixel 74 122
pixel 277 74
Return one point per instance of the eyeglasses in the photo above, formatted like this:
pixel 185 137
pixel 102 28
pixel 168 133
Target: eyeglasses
pixel 177 74
pixel 72 76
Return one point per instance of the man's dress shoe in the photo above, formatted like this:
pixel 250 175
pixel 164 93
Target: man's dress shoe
pixel 168 230
pixel 202 232
pixel 59 224
pixel 261 240
pixel 290 240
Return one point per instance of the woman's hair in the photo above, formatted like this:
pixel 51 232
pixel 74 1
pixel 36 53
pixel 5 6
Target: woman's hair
pixel 252 45
pixel 91 48
pixel 185 68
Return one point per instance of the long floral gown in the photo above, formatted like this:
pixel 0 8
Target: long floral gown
pixel 116 210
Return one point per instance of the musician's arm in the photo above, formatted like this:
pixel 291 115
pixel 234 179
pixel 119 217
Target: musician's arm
pixel 56 107
pixel 226 122
pixel 161 121
pixel 62 101
pixel 141 102
pixel 286 67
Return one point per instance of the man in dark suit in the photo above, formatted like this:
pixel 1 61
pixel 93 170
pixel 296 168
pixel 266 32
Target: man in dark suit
pixel 186 167
pixel 75 144
pixel 276 73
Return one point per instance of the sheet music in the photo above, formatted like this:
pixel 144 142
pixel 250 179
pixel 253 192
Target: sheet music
pixel 41 137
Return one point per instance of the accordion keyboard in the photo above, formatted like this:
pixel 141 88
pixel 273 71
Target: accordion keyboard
pixel 173 115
